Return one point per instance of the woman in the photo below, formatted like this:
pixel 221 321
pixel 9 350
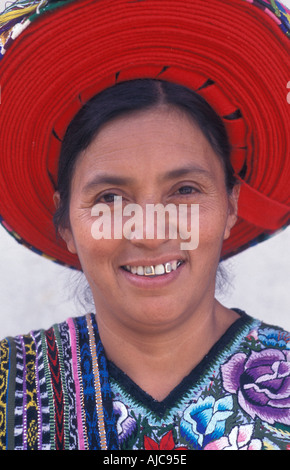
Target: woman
pixel 124 120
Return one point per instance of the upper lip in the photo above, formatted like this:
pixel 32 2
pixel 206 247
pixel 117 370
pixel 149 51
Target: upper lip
pixel 154 262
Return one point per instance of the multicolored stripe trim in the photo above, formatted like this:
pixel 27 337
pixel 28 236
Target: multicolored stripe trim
pixel 54 390
pixel 97 385
pixel 4 373
pixel 15 18
pixel 277 11
pixel 21 241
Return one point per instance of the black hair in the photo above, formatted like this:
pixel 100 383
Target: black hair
pixel 125 98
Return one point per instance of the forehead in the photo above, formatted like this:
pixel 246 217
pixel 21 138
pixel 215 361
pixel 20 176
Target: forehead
pixel 147 142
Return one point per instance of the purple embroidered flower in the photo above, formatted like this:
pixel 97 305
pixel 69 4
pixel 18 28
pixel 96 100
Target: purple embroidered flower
pixel 261 382
pixel 126 425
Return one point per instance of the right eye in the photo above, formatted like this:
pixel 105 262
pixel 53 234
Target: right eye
pixel 108 198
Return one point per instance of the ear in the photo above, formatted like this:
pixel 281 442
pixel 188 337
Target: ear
pixel 65 232
pixel 232 210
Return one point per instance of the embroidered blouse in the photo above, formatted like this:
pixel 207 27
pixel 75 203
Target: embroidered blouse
pixel 58 391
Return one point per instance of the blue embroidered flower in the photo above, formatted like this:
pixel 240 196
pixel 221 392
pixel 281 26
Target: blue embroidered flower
pixel 205 420
pixel 274 338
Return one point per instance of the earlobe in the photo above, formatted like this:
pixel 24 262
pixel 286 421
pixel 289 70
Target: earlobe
pixel 65 233
pixel 67 236
pixel 232 210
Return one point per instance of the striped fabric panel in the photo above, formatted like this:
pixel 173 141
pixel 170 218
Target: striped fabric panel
pixel 11 395
pixel 42 395
pixel 106 393
pixel 76 368
pixel 25 419
pixel 95 414
pixel 38 397
pixel 88 393
pixel 24 397
pixel 18 422
pixel 4 373
pixel 97 384
pixel 100 421
pixel 37 392
pixel 71 428
pixel 47 378
pixel 31 408
pixel 63 384
pixel 54 390
pixel 57 388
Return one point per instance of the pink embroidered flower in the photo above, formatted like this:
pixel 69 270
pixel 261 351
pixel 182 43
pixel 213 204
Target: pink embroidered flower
pixel 240 438
pixel 253 334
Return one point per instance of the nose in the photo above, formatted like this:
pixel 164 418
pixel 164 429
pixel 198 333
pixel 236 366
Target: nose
pixel 151 225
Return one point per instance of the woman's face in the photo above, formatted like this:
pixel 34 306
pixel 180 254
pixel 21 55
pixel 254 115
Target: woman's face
pixel 150 157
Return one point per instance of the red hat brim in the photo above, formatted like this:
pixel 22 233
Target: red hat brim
pixel 230 52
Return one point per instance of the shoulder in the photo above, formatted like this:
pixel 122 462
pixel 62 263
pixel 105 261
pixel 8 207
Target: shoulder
pixel 262 335
pixel 272 336
pixel 36 377
pixel 262 347
pixel 266 336
pixel 257 376
pixel 250 384
pixel 27 347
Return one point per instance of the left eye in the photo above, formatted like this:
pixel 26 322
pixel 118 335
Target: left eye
pixel 186 190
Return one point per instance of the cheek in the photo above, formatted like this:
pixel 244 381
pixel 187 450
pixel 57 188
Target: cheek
pixel 212 224
pixel 96 255
pixel 92 253
pixel 205 258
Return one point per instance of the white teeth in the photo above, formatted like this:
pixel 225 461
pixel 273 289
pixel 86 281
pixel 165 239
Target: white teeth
pixel 156 270
pixel 140 271
pixel 159 269
pixel 174 265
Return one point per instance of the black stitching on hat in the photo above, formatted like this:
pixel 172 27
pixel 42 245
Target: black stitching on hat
pixel 206 84
pixel 117 76
pixel 235 115
pixel 80 99
pixel 243 171
pixel 52 180
pixel 166 67
pixel 56 136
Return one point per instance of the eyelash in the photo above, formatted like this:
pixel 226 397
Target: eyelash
pixel 189 191
pixel 107 195
pixel 191 188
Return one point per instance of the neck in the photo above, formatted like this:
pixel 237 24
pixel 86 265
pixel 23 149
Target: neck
pixel 157 361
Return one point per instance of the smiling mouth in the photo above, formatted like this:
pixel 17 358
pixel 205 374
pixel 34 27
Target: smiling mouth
pixel 154 270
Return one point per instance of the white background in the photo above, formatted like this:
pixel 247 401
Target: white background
pixel 35 292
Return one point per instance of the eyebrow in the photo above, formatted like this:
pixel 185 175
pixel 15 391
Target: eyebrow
pixel 184 171
pixel 107 179
pixel 124 180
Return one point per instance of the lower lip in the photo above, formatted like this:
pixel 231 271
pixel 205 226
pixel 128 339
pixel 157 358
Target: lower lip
pixel 148 282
